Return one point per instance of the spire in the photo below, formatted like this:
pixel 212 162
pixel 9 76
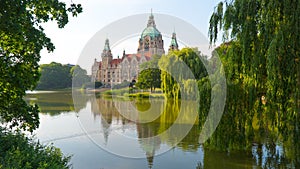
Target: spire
pixel 174 44
pixel 106 130
pixel 150 158
pixel 106 46
pixel 174 36
pixel 151 21
pixel 106 51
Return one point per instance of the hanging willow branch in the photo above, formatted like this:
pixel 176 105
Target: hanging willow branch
pixel 266 38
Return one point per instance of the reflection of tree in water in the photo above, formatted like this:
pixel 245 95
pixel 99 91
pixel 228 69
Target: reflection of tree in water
pixel 179 116
pixel 240 141
pixel 156 132
pixel 80 99
pixel 263 150
pixel 270 137
pixel 222 160
pixel 57 102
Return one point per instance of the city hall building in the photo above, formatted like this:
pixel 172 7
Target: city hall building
pixel 112 71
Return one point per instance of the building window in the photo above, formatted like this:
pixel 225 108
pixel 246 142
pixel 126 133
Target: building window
pixel 147 44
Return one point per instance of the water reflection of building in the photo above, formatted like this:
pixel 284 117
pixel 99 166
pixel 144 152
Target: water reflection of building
pixel 150 142
pixel 108 113
pixel 149 134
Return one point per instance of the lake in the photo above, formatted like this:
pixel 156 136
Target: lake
pixel 116 133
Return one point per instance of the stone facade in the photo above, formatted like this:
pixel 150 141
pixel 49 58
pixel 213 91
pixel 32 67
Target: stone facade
pixel 115 71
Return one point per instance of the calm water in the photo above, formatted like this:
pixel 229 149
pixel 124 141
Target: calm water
pixel 98 134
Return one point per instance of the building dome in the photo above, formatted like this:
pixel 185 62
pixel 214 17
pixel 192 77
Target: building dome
pixel 150 31
pixel 151 39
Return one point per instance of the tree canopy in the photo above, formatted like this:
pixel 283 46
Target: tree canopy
pixel 55 76
pixel 58 76
pixel 264 47
pixel 80 77
pixel 260 56
pixel 150 74
pixel 22 39
pixel 178 63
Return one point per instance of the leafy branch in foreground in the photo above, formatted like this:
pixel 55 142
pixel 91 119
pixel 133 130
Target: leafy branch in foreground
pixel 22 39
pixel 17 151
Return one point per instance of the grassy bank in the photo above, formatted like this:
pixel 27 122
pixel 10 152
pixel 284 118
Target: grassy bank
pixel 131 93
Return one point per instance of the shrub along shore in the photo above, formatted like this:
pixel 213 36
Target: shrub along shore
pixel 130 93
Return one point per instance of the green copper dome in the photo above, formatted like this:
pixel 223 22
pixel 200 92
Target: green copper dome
pixel 150 31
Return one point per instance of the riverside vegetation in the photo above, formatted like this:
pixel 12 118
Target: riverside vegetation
pixel 22 39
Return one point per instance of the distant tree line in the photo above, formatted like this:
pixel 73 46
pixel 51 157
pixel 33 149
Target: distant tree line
pixel 58 76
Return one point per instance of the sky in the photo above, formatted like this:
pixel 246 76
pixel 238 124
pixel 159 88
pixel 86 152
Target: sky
pixel 71 40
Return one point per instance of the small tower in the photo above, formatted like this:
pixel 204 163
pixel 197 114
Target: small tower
pixel 174 44
pixel 95 69
pixel 124 54
pixel 106 54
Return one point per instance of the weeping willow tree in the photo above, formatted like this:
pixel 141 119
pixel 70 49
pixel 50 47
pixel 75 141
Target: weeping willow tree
pixel 264 47
pixel 180 71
